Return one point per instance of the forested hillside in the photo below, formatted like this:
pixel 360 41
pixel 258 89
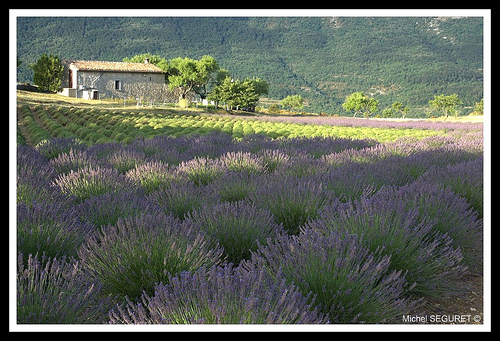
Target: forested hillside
pixel 404 59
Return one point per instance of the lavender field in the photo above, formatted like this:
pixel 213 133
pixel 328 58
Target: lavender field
pixel 216 227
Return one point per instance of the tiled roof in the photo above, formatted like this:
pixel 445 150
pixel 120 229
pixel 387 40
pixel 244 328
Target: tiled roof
pixel 94 65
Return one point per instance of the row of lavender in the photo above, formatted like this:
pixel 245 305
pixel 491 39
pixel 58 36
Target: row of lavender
pixel 211 230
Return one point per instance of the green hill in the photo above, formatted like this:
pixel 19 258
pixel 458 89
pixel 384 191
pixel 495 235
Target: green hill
pixel 405 59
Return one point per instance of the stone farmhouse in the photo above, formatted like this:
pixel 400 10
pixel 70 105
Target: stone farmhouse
pixel 103 79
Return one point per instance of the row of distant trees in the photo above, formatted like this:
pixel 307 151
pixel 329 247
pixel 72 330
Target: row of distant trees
pixel 360 103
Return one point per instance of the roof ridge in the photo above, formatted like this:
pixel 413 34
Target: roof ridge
pixel 103 65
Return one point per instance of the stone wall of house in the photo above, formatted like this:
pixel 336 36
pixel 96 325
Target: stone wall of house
pixel 144 86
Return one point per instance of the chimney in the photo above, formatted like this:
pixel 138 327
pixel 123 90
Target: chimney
pixel 146 60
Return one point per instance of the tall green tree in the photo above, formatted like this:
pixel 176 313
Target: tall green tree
pixel 152 58
pixel 479 107
pixel 293 102
pixel 445 104
pixel 47 73
pixel 192 75
pixel 360 103
pixel 235 93
pixel 399 107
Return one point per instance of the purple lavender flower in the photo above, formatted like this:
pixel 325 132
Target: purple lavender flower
pixel 351 284
pixel 450 213
pixel 88 182
pixel 73 161
pixel 141 250
pixel 464 178
pixel 151 175
pixel 49 228
pixel 220 296
pixel 181 197
pixel 402 233
pixel 238 227
pixel 57 291
pixel 273 159
pixel 242 162
pixel 125 159
pixel 200 170
pixel 292 201
pixel 319 146
pixel 234 186
pixel 105 209
pixel 51 148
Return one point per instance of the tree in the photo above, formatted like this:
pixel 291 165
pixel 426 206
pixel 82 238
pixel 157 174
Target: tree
pixel 261 86
pixel 152 58
pixel 293 102
pixel 359 102
pixel 47 73
pixel 479 107
pixel 235 93
pixel 446 104
pixel 399 107
pixel 192 75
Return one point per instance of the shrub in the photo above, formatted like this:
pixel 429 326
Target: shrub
pixel 200 170
pixel 73 161
pixel 450 213
pixel 238 227
pixel 410 240
pixel 34 177
pixel 220 296
pixel 179 198
pixel 242 162
pixel 351 284
pixel 292 201
pixel 150 175
pixel 105 209
pixel 141 250
pixel 50 229
pixel 464 178
pixel 233 187
pixel 273 159
pixel 125 159
pixel 91 181
pixel 51 148
pixel 56 291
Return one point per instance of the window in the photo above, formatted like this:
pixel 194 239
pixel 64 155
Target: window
pixel 118 85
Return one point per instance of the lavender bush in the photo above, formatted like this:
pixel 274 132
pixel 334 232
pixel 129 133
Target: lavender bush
pixel 51 148
pixel 200 170
pixel 425 255
pixel 450 213
pixel 234 186
pixel 242 162
pixel 34 177
pixel 105 209
pixel 142 250
pixel 237 226
pixel 49 228
pixel 125 159
pixel 351 284
pixel 57 291
pixel 181 197
pixel 464 178
pixel 151 175
pixel 90 181
pixel 73 160
pixel 220 296
pixel 291 200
